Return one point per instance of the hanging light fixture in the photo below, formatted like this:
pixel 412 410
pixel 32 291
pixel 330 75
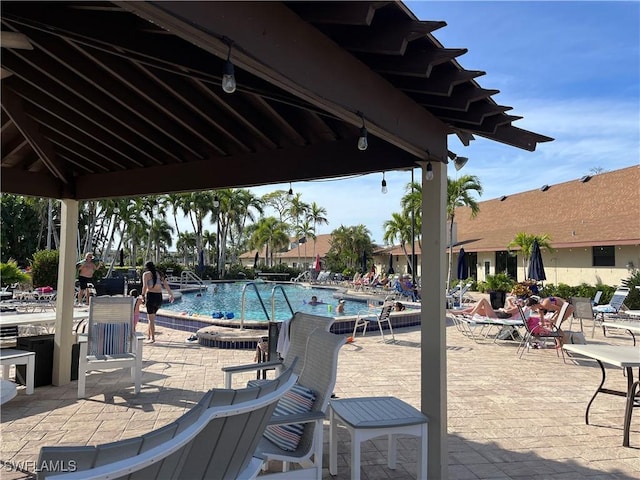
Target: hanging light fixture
pixel 290 193
pixel 429 174
pixel 362 139
pixel 228 73
pixel 216 202
pixel 383 189
pixel 460 162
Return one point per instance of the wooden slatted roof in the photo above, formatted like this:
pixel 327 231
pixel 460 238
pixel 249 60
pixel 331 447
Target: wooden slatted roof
pixel 112 99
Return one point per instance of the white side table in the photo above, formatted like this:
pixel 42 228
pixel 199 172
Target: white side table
pixel 11 356
pixel 372 417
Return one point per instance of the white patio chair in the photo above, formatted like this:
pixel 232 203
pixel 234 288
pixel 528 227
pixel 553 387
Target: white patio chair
pixel 111 341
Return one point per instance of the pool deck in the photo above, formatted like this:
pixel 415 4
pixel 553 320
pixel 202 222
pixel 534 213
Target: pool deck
pixel 508 418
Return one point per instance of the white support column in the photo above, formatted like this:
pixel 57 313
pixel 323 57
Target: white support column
pixel 66 290
pixel 434 347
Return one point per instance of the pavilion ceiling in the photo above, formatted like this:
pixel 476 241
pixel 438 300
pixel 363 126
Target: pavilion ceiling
pixel 112 99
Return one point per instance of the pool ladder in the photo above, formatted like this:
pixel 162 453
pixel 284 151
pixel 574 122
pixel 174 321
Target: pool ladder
pixel 264 308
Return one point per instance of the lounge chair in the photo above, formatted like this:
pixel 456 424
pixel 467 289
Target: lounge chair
pixel 366 316
pixel 111 341
pixel 215 440
pixel 297 330
pixel 317 376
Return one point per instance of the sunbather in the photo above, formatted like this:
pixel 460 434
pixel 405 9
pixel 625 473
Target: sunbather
pixel 484 308
pixel 554 305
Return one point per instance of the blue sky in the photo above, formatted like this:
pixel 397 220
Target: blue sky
pixel 571 69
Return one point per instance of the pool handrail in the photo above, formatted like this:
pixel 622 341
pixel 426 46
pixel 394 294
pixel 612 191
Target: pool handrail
pixel 244 291
pixel 273 300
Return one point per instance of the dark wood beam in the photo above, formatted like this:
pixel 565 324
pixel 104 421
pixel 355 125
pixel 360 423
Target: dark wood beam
pixel 338 13
pixel 73 92
pixel 389 39
pixel 412 64
pixel 33 184
pixel 12 104
pixel 313 68
pixel 327 160
pixel 516 137
pixel 438 83
pixel 461 99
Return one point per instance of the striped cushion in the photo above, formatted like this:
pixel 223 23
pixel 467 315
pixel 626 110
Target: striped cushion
pixel 109 339
pixel 297 400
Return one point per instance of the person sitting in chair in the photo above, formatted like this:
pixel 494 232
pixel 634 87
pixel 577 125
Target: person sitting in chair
pixel 554 305
pixel 484 309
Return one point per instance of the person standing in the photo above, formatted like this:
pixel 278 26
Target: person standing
pixel 152 283
pixel 86 269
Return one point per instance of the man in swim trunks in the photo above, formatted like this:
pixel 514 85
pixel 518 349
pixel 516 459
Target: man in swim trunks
pixel 86 270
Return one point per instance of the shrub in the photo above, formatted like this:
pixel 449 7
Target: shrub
pixel 44 268
pixel 10 273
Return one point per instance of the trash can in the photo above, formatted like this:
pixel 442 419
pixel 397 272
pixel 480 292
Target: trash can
pixel 43 346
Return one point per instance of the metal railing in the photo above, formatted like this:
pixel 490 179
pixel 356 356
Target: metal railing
pixel 242 304
pixel 273 300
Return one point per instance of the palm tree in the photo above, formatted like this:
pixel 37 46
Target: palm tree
pixel 297 208
pixel 306 231
pixel 459 195
pixel 411 202
pixel 398 228
pixel 186 246
pixel 316 214
pixel 161 237
pixel 270 233
pixel 525 241
pixel 196 206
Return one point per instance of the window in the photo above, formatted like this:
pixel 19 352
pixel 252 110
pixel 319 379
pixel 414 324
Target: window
pixel 604 256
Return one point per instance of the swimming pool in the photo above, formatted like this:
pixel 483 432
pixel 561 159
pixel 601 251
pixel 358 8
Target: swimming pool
pixel 227 298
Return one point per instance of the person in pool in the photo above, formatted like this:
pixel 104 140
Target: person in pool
pixel 314 300
pixel 340 307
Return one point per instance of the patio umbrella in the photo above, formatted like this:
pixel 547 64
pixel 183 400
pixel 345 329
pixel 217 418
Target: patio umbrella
pixel 391 270
pixel 255 260
pixel 536 268
pixel 121 257
pixel 463 271
pixel 317 264
pixel 364 262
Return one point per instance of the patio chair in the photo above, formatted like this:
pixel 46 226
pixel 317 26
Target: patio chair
pixel 615 304
pixel 298 330
pixel 319 377
pixel 215 440
pixel 583 311
pixel 111 341
pixel 553 332
pixel 366 316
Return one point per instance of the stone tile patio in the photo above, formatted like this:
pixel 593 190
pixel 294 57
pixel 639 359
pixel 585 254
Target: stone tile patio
pixel 509 418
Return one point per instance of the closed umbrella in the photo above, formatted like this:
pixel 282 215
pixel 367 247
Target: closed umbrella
pixel 536 268
pixel 317 264
pixel 121 257
pixel 364 262
pixel 391 270
pixel 462 270
pixel 255 260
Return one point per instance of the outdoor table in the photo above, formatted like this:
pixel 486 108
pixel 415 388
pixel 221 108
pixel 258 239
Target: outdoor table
pixel 46 319
pixel 626 357
pixel 371 417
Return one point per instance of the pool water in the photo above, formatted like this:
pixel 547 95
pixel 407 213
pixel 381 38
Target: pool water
pixel 227 297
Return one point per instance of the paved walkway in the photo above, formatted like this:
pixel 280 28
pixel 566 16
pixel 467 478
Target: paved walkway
pixel 508 418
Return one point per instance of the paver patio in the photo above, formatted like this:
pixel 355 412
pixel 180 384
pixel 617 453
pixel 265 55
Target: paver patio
pixel 508 418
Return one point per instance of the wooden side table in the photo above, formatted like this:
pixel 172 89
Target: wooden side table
pixel 372 417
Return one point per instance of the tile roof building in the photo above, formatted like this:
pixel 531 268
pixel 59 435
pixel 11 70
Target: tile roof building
pixel 593 224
